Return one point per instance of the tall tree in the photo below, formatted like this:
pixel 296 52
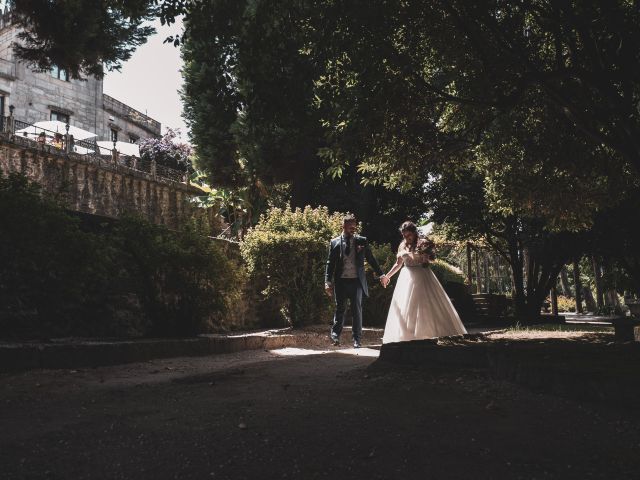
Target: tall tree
pixel 535 255
pixel 407 84
pixel 81 36
pixel 248 93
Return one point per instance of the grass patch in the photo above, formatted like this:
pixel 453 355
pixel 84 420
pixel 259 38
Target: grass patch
pixel 518 328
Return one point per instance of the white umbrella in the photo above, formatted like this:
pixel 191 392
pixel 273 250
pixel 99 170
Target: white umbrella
pixel 81 150
pixel 56 126
pixel 124 148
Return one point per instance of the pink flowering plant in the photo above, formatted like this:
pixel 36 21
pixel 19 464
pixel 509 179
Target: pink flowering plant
pixel 168 151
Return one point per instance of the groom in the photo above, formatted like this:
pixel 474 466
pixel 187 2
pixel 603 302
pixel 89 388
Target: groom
pixel 345 277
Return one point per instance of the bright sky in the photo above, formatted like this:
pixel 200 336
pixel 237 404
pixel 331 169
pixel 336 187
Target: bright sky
pixel 150 80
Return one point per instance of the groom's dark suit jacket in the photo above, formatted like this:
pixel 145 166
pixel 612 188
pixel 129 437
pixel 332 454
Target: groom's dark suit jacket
pixel 333 270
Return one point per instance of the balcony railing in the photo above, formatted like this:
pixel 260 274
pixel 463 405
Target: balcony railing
pixel 56 143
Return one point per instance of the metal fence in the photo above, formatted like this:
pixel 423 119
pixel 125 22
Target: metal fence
pixel 56 142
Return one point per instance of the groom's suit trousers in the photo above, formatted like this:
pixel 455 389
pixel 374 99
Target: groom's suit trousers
pixel 348 289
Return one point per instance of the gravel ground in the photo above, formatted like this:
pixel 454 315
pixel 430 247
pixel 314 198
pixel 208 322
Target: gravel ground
pixel 301 413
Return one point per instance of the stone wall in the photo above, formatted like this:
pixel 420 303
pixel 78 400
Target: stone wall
pixel 99 187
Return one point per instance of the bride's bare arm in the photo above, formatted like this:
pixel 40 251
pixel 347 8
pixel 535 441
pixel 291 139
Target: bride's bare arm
pixel 397 266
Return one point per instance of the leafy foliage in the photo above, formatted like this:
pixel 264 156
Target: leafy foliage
pixel 181 278
pixel 285 253
pixel 49 267
pixel 535 254
pixel 167 151
pixel 128 278
pixel 81 36
pixel 248 93
pixel 565 304
pixel 447 273
pixel 509 89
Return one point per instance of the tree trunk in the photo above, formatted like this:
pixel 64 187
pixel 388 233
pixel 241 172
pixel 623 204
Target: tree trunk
pixel 478 275
pixel 542 278
pixel 525 267
pixel 487 272
pixel 564 283
pixel 588 299
pixel 517 276
pixel 469 269
pixel 578 286
pixel 499 284
pixel 554 301
pixel 598 281
pixel 610 294
pixel 611 299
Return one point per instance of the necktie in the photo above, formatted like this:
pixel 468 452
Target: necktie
pixel 347 248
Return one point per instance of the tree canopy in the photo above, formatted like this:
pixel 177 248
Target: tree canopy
pixel 509 87
pixel 535 101
pixel 81 36
pixel 248 93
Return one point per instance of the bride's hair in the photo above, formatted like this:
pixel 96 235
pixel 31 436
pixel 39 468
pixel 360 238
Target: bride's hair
pixel 409 226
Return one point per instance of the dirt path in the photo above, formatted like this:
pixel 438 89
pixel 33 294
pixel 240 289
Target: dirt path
pixel 292 414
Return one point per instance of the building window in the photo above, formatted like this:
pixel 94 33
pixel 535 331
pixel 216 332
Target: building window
pixel 59 73
pixel 114 135
pixel 133 138
pixel 61 117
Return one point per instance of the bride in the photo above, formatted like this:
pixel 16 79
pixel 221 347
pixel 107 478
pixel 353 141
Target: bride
pixel 420 308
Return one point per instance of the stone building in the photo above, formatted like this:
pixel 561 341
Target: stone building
pixel 53 95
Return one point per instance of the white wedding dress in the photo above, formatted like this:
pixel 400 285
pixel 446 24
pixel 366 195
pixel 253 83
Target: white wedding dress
pixel 420 308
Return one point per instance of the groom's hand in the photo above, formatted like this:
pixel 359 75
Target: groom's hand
pixel 328 289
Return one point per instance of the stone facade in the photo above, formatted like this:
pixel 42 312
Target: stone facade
pixel 38 96
pixel 94 186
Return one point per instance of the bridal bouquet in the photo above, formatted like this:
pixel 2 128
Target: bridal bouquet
pixel 426 247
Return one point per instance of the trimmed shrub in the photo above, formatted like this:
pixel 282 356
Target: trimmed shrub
pixel 285 254
pixel 446 272
pixel 565 304
pixel 181 278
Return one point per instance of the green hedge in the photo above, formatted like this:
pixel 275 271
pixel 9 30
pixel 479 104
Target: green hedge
pixel 285 255
pixel 60 277
pixel 182 279
pixel 446 272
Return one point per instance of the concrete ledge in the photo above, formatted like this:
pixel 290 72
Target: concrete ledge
pixel 91 353
pixel 627 329
pixel 583 371
pixel 443 351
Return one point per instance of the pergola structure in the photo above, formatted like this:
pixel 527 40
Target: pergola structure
pixel 488 273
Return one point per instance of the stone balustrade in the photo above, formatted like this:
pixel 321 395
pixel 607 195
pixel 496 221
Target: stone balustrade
pixel 98 186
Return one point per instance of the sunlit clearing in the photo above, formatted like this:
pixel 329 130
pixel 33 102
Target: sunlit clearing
pixel 296 352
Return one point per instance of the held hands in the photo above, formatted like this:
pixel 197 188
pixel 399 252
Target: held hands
pixel 384 280
pixel 328 289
